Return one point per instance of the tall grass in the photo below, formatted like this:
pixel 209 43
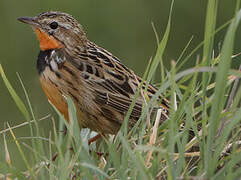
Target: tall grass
pixel 200 140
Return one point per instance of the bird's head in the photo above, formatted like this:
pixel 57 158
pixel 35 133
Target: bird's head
pixel 57 30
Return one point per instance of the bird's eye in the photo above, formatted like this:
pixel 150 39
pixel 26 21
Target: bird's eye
pixel 53 25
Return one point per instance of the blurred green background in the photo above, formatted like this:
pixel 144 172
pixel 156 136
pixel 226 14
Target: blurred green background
pixel 122 27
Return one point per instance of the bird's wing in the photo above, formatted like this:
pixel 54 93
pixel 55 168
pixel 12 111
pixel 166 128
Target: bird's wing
pixel 113 84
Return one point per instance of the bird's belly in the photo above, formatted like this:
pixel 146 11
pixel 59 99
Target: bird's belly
pixel 56 89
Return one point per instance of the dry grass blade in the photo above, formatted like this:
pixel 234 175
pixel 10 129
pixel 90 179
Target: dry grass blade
pixel 20 150
pixel 7 155
pixel 229 147
pixel 189 154
pixel 153 136
pixel 24 124
pixel 193 141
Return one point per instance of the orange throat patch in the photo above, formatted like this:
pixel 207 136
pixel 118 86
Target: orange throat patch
pixel 46 41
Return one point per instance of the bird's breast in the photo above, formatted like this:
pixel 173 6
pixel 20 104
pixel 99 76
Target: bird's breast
pixel 49 63
pixel 53 92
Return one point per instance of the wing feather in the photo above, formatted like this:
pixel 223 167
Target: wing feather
pixel 112 83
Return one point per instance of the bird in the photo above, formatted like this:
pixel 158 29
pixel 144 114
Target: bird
pixel 101 87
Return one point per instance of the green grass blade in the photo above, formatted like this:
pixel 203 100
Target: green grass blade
pixel 209 31
pixel 74 125
pixel 14 95
pixel 207 51
pixel 219 92
pixel 182 63
pixel 160 50
pixel 22 153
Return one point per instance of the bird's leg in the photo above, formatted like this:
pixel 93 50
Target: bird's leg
pixel 64 131
pixel 93 139
pixel 56 154
pixel 54 157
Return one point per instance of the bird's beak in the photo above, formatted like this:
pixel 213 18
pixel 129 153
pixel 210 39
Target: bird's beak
pixel 29 20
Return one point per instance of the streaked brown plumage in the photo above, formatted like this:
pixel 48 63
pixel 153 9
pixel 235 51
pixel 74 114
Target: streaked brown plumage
pixel 101 87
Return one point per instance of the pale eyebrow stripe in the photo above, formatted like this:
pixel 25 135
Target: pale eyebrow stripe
pixel 66 26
